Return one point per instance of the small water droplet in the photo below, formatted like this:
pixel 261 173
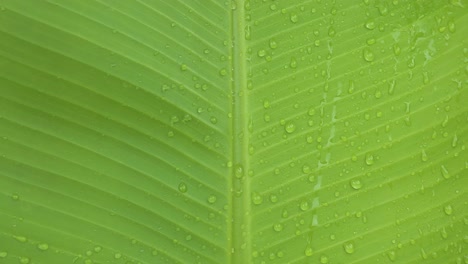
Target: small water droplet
pixel 183 67
pixel 238 171
pixel 182 187
pixel 369 159
pixel 290 128
pixel 117 255
pixel 396 49
pixel 368 55
pixel 423 155
pixel 448 210
pixel 24 260
pixel 391 255
pixel 306 169
pixel 3 254
pixel 444 172
pixel 261 53
pixel 212 199
pixel 349 247
pixel 308 251
pixel 304 206
pixel 356 184
pixel 223 72
pixel 278 227
pixel 257 199
pixel 273 198
pixel 370 24
pixel 43 246
pixel 21 239
pixel 293 17
pixel 273 44
pixel 454 141
pixel 293 63
pixel 15 197
pixel 323 259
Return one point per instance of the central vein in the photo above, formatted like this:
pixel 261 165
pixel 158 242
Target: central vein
pixel 240 203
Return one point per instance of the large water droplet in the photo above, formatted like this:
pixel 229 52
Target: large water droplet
pixel 290 128
pixel 356 184
pixel 3 254
pixel 349 247
pixel 182 187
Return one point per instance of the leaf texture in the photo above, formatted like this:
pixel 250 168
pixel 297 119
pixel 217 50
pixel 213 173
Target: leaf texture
pixel 233 131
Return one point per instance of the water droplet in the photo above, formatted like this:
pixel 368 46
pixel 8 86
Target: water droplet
pixel 304 206
pixel 183 67
pixel 15 197
pixel 223 72
pixel 117 255
pixel 370 24
pixel 391 86
pixel 349 247
pixel 213 120
pixel 293 17
pixel 278 227
pixel 323 259
pixel 444 172
pixel 443 233
pixel 266 104
pixel 21 239
pixel 293 63
pixel 238 171
pixel 182 187
pixel 356 184
pixel 273 198
pixel 423 155
pixel 212 199
pixel 396 49
pixel 368 55
pixel 273 44
pixel 369 159
pixel 24 260
pixel 290 128
pixel 257 198
pixel 43 246
pixel 308 251
pixel 454 141
pixel 306 169
pixel 3 254
pixel 261 53
pixel 391 255
pixel 448 210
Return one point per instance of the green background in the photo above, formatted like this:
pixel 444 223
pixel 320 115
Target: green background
pixel 210 131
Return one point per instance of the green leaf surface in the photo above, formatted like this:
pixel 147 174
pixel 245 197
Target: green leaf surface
pixel 208 131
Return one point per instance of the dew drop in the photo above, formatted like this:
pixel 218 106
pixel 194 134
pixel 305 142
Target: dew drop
pixel 3 254
pixel 444 172
pixel 370 24
pixel 273 198
pixel 391 86
pixel 356 184
pixel 368 55
pixel 423 155
pixel 238 171
pixel 257 199
pixel 117 255
pixel 293 17
pixel 304 206
pixel 351 87
pixel 391 255
pixel 349 247
pixel 278 227
pixel 183 67
pixel 43 246
pixel 306 169
pixel 396 49
pixel 448 210
pixel 261 53
pixel 21 239
pixel 273 44
pixel 293 63
pixel 454 141
pixel 369 159
pixel 308 251
pixel 223 72
pixel 182 187
pixel 212 199
pixel 323 259
pixel 290 128
pixel 24 260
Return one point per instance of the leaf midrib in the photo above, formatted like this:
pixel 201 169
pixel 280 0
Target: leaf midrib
pixel 239 184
